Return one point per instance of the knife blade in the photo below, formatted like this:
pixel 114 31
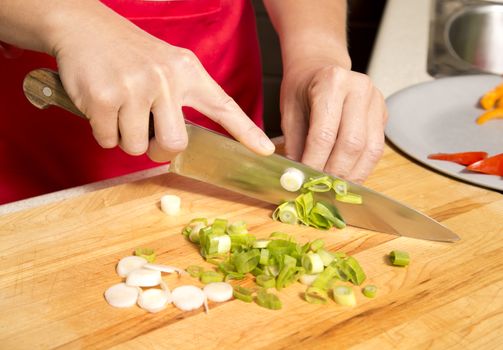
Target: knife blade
pixel 223 162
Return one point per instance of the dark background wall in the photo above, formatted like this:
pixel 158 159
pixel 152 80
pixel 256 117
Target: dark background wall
pixel 363 21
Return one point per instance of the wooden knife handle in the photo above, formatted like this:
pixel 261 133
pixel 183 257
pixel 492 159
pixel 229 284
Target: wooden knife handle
pixel 43 88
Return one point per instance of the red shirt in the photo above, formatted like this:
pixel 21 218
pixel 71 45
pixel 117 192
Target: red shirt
pixel 45 151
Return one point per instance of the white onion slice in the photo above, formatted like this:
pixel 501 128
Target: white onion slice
pixel 218 291
pixel 292 179
pixel 144 278
pixel 164 268
pixel 121 295
pixel 128 264
pixel 188 298
pixel 170 204
pixel 153 300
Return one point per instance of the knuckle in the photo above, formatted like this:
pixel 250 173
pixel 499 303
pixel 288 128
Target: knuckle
pixel 106 141
pixel 325 137
pixel 106 98
pixel 172 144
pixel 375 151
pixel 353 145
pixel 187 58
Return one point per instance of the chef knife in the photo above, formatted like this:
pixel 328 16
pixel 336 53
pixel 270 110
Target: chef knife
pixel 221 161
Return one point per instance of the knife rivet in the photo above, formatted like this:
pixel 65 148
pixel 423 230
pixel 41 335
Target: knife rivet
pixel 47 91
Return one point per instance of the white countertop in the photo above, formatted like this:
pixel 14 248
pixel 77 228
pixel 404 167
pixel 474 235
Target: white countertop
pixel 398 60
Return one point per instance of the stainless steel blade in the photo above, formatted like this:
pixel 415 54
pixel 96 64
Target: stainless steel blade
pixel 218 160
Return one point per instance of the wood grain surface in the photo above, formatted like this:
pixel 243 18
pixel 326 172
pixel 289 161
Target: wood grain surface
pixel 57 260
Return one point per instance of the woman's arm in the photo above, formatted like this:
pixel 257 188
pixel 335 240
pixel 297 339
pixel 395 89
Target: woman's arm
pixel 332 118
pixel 116 74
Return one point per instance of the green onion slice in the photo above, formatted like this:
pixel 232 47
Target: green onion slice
pixel 344 295
pixel 317 244
pixel 326 256
pixel 399 258
pixel 264 257
pixel 146 253
pixel 369 291
pixel 194 270
pixel 351 198
pixel 261 243
pixel 315 295
pixel 286 213
pixel 304 203
pixel 318 184
pixel 340 187
pixel 265 281
pixel 237 228
pixel 246 261
pixel 219 226
pixel 210 277
pixel 312 263
pixel 268 300
pixel 243 294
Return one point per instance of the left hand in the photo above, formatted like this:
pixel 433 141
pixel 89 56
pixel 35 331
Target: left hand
pixel 333 119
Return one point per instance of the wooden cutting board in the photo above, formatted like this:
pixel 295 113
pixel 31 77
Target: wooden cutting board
pixel 57 260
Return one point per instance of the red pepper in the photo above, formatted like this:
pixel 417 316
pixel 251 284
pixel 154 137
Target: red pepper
pixel 465 158
pixel 492 165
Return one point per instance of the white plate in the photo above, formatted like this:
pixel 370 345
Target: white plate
pixel 439 117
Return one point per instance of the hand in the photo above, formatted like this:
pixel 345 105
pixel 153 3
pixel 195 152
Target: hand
pixel 333 119
pixel 115 73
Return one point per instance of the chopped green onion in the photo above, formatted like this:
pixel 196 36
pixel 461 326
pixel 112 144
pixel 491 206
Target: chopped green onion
pixel 219 226
pixel 286 213
pixel 242 241
pixel 146 253
pixel 211 276
pixel 340 187
pixel 272 270
pixel 326 256
pixel 304 203
pixel 315 295
pixel 243 294
pixel 287 273
pixel 353 270
pixel 399 258
pixel 194 232
pixel 257 271
pixel 246 261
pixel 292 179
pixel 318 184
pixel 344 295
pixel 351 198
pixel 370 291
pixel 280 235
pixel 261 243
pixel 237 228
pixel 268 300
pixel 266 281
pixel 317 244
pixel 312 263
pixel 201 222
pixel 324 216
pixel 194 270
pixel 264 257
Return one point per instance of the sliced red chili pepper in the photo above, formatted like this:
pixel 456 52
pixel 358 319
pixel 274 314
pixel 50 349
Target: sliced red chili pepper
pixel 465 158
pixel 492 165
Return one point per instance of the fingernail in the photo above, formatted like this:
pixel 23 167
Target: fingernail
pixel 267 145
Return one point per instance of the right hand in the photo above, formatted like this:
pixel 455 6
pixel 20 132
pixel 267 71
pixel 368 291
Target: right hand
pixel 116 74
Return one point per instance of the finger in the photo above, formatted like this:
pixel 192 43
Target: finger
pixel 159 154
pixel 169 124
pixel 104 123
pixel 352 135
pixel 375 141
pixel 294 126
pixel 210 99
pixel 133 127
pixel 325 118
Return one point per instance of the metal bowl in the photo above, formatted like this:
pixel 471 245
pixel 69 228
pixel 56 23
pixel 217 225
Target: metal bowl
pixel 474 34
